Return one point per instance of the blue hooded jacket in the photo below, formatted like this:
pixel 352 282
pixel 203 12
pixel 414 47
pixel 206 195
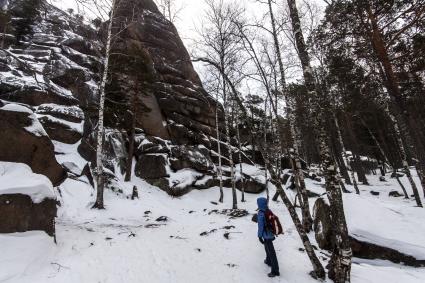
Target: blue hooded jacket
pixel 262 232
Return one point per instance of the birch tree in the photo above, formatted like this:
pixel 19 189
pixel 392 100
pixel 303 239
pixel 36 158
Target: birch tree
pixel 340 263
pixel 100 182
pixel 219 45
pixel 170 9
pixel 106 11
pixel 295 131
pixel 318 270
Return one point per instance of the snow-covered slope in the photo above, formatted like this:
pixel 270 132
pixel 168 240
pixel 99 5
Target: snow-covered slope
pixel 128 243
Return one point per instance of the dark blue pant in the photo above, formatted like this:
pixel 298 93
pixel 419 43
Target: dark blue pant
pixel 271 258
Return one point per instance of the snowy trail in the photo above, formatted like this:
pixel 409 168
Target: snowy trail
pixel 116 245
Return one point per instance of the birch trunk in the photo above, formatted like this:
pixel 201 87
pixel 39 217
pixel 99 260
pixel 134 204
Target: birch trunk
pixel 219 169
pixel 318 270
pixel 240 156
pixel 340 263
pixel 344 155
pixel 295 160
pixel 100 129
pixel 317 266
pixel 129 164
pixel 228 142
pixel 266 154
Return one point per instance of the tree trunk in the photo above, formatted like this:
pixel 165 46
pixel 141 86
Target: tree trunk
pixel 385 158
pixel 406 195
pixel 295 160
pixel 318 270
pixel 266 155
pixel 340 263
pixel 240 157
pixel 228 141
pixel 344 157
pixel 355 151
pixel 219 169
pixel 100 130
pixel 317 266
pixel 129 163
pixel 404 157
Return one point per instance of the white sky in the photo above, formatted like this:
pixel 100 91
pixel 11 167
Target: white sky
pixel 191 14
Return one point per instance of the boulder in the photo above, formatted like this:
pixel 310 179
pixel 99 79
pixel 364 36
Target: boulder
pixel 27 200
pixel 152 166
pixel 68 113
pixel 149 144
pixel 364 249
pixel 33 96
pixel 24 140
pixel 322 224
pixel 60 130
pixel 395 194
pixel 20 214
pixel 190 157
pixel 250 186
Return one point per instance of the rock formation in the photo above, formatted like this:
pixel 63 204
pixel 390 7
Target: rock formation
pixel 54 70
pixel 361 248
pixel 27 200
pixel 24 140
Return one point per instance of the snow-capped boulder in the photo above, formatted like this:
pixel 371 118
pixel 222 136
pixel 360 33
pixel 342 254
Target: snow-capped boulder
pixel 191 157
pixel 68 113
pixel 24 140
pixel 150 144
pixel 27 200
pixel 61 130
pixel 363 246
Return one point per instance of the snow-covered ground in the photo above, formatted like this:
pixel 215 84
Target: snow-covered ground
pixel 126 243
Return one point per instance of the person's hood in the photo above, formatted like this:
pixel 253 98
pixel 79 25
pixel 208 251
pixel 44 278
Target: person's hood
pixel 262 204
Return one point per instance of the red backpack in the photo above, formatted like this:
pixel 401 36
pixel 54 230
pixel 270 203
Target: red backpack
pixel 273 223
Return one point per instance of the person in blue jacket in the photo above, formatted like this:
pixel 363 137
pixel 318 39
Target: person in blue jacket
pixel 266 238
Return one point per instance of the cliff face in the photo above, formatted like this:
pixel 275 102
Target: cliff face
pixel 161 71
pixel 54 70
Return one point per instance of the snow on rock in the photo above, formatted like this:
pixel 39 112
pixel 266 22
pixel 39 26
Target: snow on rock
pixel 18 178
pixel 183 178
pixel 387 222
pixel 35 128
pixel 70 113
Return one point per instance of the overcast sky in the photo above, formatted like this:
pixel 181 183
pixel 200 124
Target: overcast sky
pixel 191 14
